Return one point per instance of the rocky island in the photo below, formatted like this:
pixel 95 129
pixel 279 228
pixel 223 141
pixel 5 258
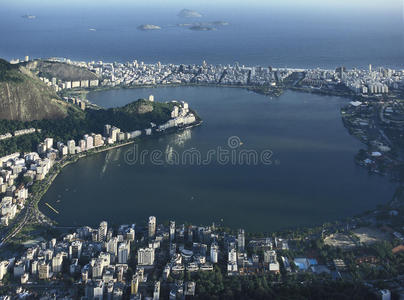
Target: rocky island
pixel 146 27
pixel 188 13
pixel 204 26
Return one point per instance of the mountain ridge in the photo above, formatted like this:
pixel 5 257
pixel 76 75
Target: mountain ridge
pixel 24 97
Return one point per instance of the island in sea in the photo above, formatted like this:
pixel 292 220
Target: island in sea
pixel 204 26
pixel 146 27
pixel 188 13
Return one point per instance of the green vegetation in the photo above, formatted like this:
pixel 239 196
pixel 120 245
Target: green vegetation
pixel 133 116
pixel 213 285
pixel 9 72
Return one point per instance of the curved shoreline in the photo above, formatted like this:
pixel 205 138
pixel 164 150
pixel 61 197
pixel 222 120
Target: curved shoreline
pixel 346 97
pixel 107 88
pixel 55 171
pixel 77 157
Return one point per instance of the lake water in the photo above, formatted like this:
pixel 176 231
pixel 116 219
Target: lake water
pixel 312 178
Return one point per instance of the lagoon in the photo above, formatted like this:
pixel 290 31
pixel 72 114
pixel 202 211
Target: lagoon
pixel 312 177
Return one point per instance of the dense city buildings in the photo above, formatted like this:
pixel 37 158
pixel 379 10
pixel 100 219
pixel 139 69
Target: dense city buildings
pixel 156 261
pixel 373 81
pixel 109 263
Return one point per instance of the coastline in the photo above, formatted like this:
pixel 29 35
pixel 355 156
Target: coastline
pixel 77 157
pixel 341 94
pixel 199 122
pixel 252 88
pixel 32 207
pixel 273 92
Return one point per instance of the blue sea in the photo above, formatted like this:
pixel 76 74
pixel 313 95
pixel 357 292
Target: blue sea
pixel 288 33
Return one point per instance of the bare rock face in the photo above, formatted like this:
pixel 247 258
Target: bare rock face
pixel 24 97
pixel 144 108
pixel 59 70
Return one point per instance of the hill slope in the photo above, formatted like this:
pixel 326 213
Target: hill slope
pixel 24 97
pixel 59 70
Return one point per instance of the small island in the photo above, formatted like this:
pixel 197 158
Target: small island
pixel 202 28
pixel 188 13
pixel 220 23
pixel 146 27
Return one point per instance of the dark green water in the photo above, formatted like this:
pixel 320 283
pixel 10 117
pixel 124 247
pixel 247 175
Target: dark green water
pixel 312 178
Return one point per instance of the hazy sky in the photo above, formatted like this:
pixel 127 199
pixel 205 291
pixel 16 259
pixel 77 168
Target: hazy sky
pixel 344 4
pixel 376 9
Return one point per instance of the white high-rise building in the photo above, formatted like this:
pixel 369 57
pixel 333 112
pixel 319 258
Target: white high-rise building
pixel 75 249
pixel 34 267
pixel 123 253
pixel 95 289
pixel 89 142
pixel 232 256
pixel 130 234
pixel 156 292
pixel 145 256
pixel 43 270
pixel 241 240
pixel 273 261
pixel 57 261
pixel 102 231
pixel 3 268
pixel 48 143
pixel 71 146
pixel 112 246
pixel 172 230
pixel 98 268
pixel 134 285
pixel 152 226
pixel 267 256
pixel 214 253
pixel 114 133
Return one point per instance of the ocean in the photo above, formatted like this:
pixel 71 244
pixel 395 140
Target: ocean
pixel 270 33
